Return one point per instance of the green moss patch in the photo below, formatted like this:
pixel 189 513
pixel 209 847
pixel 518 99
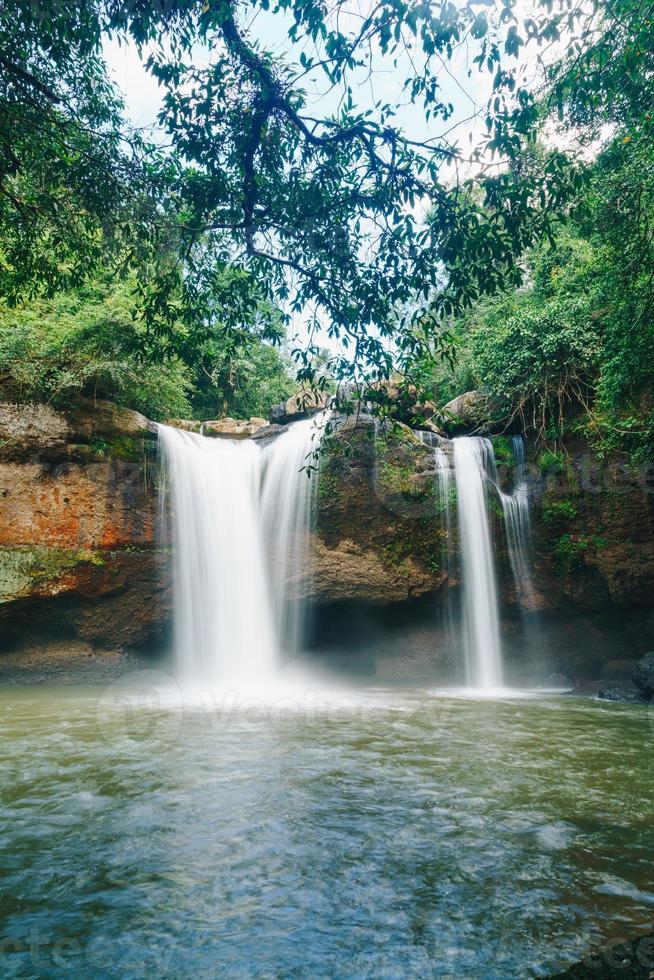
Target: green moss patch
pixel 25 570
pixel 558 512
pixel 569 551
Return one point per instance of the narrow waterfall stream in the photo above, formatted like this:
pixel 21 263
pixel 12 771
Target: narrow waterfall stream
pixel 473 459
pixel 474 474
pixel 240 518
pixel 515 508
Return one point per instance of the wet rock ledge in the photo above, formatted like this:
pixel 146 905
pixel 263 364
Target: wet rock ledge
pixel 621 960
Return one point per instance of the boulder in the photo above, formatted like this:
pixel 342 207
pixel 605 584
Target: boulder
pixel 626 694
pixel 229 428
pixel 299 406
pixel 67 661
pixel 620 671
pixel 404 402
pixel 96 419
pixel 118 598
pixel 186 425
pixel 559 680
pixel 378 536
pixel 473 411
pixel 617 960
pixel 29 429
pixel 268 433
pixel 430 426
pixel 643 675
pixel 349 571
pixel 99 428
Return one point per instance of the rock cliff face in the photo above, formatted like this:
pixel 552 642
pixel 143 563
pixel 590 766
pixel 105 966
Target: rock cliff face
pixel 77 525
pixel 595 530
pixel 381 520
pixel 79 556
pixel 380 530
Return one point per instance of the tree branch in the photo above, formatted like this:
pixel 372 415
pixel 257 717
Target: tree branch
pixel 29 79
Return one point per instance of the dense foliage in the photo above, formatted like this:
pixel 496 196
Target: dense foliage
pixel 88 343
pixel 269 202
pixel 320 210
pixel 572 350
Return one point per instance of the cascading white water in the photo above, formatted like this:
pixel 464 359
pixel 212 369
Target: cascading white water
pixel 240 533
pixel 444 474
pixel 288 495
pixel 224 627
pixel 241 521
pixel 473 458
pixel 444 483
pixel 475 474
pixel 515 508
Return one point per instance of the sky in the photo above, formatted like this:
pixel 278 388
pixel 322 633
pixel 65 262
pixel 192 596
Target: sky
pixel 468 94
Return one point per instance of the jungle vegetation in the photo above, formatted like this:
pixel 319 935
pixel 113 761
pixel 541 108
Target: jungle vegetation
pixel 522 258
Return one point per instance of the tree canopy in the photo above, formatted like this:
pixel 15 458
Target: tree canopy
pixel 571 351
pixel 270 201
pixel 572 348
pixel 319 211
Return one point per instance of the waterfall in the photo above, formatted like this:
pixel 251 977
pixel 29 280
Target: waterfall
pixel 475 476
pixel 240 518
pixel 288 497
pixel 515 508
pixel 473 461
pixel 223 620
pixel 444 473
pixel 475 626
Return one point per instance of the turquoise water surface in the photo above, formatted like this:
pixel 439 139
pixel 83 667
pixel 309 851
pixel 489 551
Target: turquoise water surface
pixel 374 834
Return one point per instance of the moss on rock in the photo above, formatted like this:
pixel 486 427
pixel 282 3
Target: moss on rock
pixel 378 489
pixel 24 571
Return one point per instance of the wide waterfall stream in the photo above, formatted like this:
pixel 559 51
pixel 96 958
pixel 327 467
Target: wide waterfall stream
pixel 223 616
pixel 241 516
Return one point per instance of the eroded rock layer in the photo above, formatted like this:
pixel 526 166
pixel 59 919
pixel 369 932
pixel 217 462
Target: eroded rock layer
pixel 78 549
